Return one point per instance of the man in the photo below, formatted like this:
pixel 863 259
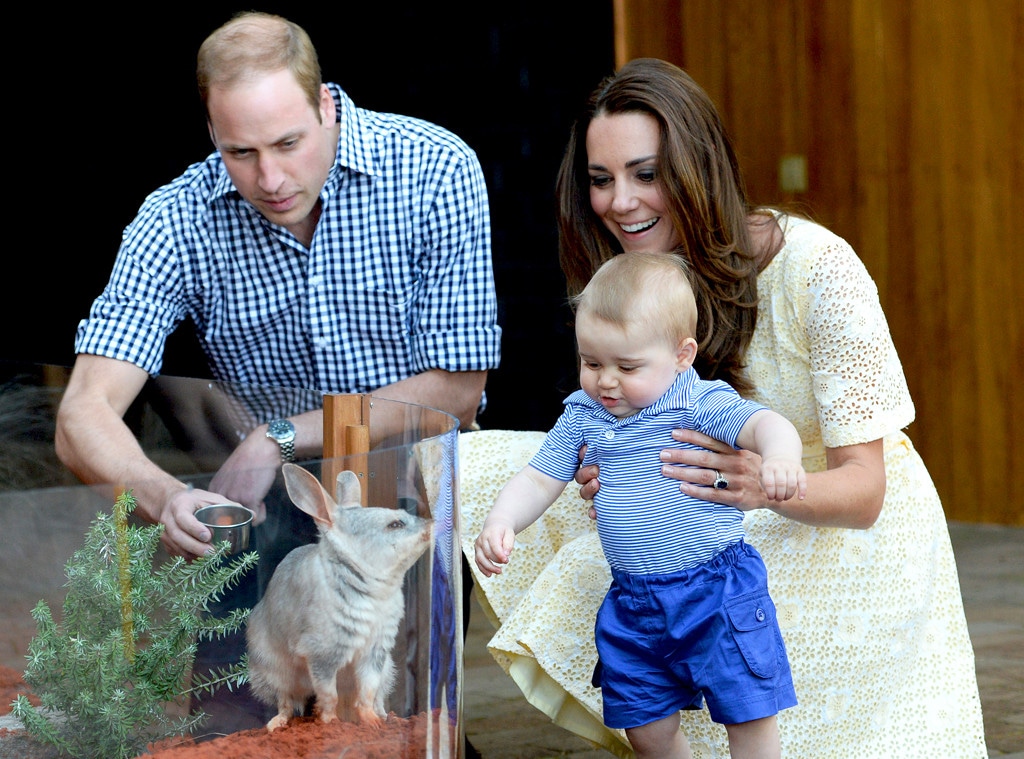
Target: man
pixel 321 247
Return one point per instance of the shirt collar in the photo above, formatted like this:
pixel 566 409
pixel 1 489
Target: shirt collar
pixel 357 146
pixel 677 396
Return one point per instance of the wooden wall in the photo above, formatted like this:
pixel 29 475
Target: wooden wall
pixel 911 118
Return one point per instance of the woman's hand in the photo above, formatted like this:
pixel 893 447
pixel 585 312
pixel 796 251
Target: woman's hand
pixel 849 494
pixel 698 469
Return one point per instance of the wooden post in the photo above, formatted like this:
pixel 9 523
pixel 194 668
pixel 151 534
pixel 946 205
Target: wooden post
pixel 346 436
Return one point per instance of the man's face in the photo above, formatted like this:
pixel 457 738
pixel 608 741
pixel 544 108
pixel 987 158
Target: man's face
pixel 277 148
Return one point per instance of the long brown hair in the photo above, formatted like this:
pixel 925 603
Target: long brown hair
pixel 700 181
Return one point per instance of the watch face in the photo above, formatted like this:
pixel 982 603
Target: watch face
pixel 281 429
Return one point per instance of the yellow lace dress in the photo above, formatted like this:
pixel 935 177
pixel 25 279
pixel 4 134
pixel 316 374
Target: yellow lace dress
pixel 873 619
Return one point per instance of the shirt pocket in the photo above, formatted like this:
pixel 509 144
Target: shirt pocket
pixel 375 330
pixel 376 314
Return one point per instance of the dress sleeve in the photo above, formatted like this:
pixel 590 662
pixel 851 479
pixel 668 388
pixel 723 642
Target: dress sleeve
pixel 858 381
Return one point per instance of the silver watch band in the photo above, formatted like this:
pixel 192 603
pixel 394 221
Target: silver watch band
pixel 282 432
pixel 287 450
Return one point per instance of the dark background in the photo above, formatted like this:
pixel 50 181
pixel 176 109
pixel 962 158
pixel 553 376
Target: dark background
pixel 105 110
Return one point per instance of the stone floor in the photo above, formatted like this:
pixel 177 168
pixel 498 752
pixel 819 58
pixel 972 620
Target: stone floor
pixel 500 724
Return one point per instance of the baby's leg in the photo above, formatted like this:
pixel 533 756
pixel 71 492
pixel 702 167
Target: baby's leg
pixel 661 739
pixel 757 739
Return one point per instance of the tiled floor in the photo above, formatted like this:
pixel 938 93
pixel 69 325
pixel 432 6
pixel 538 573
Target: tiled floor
pixel 502 725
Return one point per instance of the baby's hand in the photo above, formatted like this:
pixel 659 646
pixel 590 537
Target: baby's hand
pixel 494 548
pixel 783 478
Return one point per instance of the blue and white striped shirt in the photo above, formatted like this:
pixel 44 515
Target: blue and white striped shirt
pixel 398 279
pixel 646 524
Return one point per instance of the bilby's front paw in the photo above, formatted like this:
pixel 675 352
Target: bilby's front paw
pixel 279 720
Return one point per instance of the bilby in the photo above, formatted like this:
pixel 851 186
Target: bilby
pixel 334 605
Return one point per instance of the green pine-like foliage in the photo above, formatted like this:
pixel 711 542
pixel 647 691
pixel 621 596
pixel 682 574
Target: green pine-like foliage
pixel 124 648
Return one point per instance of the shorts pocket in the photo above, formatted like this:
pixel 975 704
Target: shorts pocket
pixel 753 625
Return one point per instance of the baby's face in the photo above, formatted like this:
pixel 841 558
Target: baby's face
pixel 624 369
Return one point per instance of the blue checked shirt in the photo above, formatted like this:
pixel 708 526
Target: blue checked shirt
pixel 646 524
pixel 398 279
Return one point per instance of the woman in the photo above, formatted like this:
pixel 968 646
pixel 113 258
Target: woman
pixel 861 569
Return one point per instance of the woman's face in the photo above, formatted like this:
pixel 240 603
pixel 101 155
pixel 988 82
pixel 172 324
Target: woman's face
pixel 625 187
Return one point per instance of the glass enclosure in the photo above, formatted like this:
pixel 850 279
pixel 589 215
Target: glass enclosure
pixel 403 455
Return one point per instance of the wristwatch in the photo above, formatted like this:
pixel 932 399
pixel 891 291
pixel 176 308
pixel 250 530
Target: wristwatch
pixel 282 432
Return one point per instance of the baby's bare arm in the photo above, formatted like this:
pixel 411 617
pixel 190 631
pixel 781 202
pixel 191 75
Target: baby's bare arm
pixel 776 440
pixel 523 499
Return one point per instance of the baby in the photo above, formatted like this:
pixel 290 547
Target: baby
pixel 688 616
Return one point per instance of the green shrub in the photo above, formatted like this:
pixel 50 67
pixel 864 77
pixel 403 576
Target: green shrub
pixel 124 648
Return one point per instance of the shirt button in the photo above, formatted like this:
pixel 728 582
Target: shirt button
pixel 759 615
pixel 609 434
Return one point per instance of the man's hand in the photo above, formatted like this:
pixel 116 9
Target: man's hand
pixel 247 474
pixel 184 535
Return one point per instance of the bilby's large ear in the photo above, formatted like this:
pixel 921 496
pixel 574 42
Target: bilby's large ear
pixel 347 490
pixel 308 494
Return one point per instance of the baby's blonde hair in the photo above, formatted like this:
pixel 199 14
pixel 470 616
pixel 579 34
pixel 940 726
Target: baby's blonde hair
pixel 650 290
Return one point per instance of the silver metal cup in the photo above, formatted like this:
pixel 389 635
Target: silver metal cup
pixel 227 521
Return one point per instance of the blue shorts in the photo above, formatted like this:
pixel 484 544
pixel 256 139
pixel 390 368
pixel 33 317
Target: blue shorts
pixel 667 642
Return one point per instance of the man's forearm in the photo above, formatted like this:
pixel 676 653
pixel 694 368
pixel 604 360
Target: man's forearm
pixel 99 449
pixel 457 393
